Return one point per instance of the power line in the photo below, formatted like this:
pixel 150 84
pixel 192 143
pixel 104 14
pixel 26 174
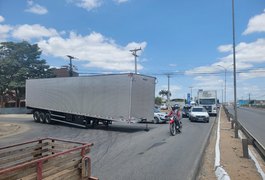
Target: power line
pixel 181 73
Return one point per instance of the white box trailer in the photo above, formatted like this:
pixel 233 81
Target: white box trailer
pixel 208 99
pixel 89 100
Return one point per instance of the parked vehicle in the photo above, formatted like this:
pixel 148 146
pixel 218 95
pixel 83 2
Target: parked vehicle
pixel 186 111
pixel 163 106
pixel 160 117
pixel 199 113
pixel 90 100
pixel 208 99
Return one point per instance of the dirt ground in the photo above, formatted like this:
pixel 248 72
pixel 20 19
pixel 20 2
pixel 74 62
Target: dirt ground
pixel 232 159
pixel 10 129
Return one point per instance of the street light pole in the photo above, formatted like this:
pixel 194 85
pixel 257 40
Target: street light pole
pixel 168 88
pixel 234 61
pixel 191 92
pixel 225 81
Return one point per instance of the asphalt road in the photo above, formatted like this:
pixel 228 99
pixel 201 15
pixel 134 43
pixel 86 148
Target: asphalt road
pixel 127 151
pixel 253 120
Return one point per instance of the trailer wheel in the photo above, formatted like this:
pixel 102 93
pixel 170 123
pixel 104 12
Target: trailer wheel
pixel 48 118
pixel 106 123
pixel 36 116
pixel 42 117
pixel 86 123
pixel 95 122
pixel 156 120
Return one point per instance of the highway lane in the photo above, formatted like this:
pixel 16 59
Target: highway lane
pixel 253 120
pixel 129 152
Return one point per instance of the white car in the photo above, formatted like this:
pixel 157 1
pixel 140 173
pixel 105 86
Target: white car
pixel 160 117
pixel 199 113
pixel 163 106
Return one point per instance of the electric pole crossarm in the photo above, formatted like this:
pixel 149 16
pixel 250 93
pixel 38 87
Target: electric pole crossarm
pixel 134 51
pixel 71 65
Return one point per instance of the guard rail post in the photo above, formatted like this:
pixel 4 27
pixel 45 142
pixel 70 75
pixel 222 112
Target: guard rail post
pixel 232 121
pixel 232 124
pixel 245 148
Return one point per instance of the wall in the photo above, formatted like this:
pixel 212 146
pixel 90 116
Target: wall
pixel 15 111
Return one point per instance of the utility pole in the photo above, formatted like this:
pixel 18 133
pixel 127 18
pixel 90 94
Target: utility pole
pixel 71 65
pixel 222 96
pixel 168 89
pixel 134 51
pixel 234 61
pixel 191 93
pixel 225 80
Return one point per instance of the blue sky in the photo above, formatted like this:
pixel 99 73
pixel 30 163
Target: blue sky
pixel 187 39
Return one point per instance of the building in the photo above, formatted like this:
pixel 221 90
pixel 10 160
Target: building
pixel 63 72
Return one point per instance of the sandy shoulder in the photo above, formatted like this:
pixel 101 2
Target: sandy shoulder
pixel 232 155
pixel 232 159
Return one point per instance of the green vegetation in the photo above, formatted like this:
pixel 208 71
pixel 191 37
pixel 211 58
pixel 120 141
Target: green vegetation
pixel 164 93
pixel 158 100
pixel 18 62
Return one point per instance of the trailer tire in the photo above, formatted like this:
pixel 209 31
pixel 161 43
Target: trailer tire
pixel 156 120
pixel 48 118
pixel 36 116
pixel 86 123
pixel 95 123
pixel 106 123
pixel 42 117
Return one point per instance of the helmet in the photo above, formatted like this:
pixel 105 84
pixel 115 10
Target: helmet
pixel 175 107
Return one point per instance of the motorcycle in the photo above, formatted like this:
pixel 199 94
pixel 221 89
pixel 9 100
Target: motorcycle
pixel 175 125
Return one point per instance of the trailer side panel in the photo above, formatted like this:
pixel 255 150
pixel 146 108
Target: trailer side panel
pixel 111 97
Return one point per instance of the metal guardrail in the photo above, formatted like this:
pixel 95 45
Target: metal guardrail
pixel 251 139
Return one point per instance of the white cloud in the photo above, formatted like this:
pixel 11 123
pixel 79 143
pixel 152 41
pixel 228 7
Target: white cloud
pixel 256 73
pixel 208 82
pixel 4 32
pixel 247 55
pixel 202 70
pixel 172 65
pixel 28 32
pixel 87 4
pixel 256 24
pixel 36 8
pixel 120 1
pixel 248 88
pixel 2 19
pixel 93 49
pixel 248 52
pixel 225 48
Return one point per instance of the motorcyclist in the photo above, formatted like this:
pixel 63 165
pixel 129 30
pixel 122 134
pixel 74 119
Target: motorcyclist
pixel 175 112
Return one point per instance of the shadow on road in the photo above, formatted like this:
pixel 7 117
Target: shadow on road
pixel 119 127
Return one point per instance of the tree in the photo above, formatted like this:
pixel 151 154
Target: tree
pixel 164 93
pixel 18 62
pixel 158 100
